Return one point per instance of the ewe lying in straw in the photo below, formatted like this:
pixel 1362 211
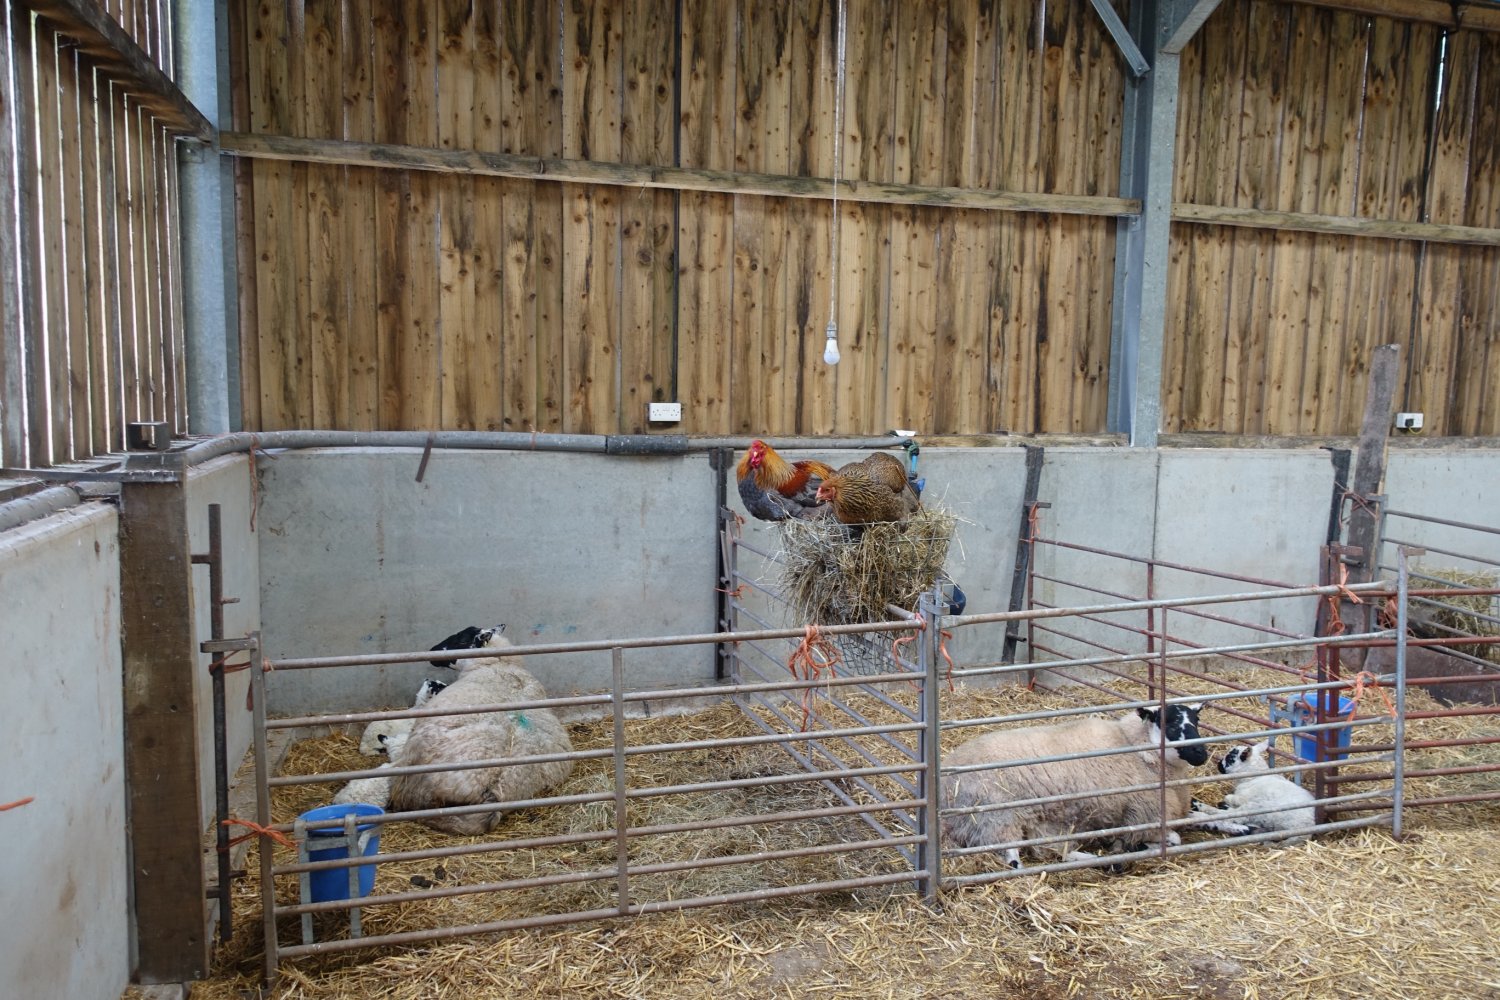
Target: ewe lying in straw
pixel 452 739
pixel 1089 780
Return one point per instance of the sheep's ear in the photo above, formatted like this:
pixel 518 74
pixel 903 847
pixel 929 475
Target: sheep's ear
pixel 1262 748
pixel 1149 714
pixel 381 737
pixel 1197 706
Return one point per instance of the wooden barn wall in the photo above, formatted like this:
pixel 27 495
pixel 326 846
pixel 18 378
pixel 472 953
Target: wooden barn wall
pixel 1292 108
pixel 384 298
pixel 91 330
pixel 376 298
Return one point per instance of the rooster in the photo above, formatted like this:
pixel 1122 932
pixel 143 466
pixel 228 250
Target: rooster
pixel 859 497
pixel 774 489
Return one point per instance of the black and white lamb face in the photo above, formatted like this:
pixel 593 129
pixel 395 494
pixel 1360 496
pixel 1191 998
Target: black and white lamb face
pixel 1251 758
pixel 1182 724
pixel 471 637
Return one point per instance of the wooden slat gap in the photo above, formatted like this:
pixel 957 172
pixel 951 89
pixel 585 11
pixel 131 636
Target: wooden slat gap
pixel 101 38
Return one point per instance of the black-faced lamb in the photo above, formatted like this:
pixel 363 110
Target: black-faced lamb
pixel 1087 780
pixel 1245 810
pixel 375 740
pixel 487 680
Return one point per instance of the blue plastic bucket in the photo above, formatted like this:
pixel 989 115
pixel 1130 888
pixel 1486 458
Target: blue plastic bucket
pixel 1305 713
pixel 333 883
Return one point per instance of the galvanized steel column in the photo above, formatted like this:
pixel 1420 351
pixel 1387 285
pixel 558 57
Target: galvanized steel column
pixel 1143 243
pixel 206 215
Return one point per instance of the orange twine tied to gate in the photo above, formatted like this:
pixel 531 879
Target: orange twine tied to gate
pixel 256 830
pixel 1358 690
pixel 814 654
pixel 1389 614
pixel 1336 624
pixel 942 648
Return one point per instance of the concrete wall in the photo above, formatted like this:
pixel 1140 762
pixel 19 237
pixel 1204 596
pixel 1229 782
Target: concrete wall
pixel 357 556
pixel 64 867
pixel 226 482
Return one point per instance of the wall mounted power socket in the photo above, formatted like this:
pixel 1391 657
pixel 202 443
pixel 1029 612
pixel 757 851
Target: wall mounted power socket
pixel 1408 421
pixel 664 413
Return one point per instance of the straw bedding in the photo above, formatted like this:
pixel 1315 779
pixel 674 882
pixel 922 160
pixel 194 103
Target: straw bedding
pixel 1352 915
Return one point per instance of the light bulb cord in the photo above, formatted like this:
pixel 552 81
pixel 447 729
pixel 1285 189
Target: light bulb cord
pixel 838 165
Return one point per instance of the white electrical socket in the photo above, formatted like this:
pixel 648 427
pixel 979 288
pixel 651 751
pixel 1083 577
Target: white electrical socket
pixel 1408 421
pixel 664 413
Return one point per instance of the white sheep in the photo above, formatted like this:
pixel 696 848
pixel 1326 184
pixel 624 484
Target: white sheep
pixel 375 790
pixel 1244 810
pixel 487 680
pixel 373 741
pixel 1087 780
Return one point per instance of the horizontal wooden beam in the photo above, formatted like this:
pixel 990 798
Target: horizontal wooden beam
pixel 1339 225
pixel 1474 16
pixel 364 154
pixel 117 55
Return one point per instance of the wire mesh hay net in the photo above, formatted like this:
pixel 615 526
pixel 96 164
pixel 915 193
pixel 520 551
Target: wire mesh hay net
pixel 837 574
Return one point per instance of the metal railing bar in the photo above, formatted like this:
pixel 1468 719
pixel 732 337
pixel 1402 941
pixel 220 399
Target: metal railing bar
pixel 1342 640
pixel 1154 852
pixel 839 762
pixel 525 923
pixel 1164 564
pixel 531 843
pixel 600 874
pixel 1155 826
pixel 1428 519
pixel 807 763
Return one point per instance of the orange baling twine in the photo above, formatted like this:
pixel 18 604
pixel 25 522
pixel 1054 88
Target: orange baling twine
pixel 1336 624
pixel 1358 690
pixel 813 655
pixel 942 648
pixel 18 803
pixel 256 830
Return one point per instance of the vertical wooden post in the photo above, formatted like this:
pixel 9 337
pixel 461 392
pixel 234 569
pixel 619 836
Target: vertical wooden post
pixel 161 734
pixel 1369 472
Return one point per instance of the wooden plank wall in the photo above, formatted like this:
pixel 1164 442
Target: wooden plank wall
pixel 491 303
pixel 1292 108
pixel 415 300
pixel 97 325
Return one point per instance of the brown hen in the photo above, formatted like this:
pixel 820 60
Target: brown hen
pixel 858 498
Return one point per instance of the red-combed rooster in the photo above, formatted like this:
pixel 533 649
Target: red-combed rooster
pixel 774 489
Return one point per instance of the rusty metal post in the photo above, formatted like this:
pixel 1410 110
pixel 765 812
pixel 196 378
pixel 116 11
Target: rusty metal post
pixel 214 560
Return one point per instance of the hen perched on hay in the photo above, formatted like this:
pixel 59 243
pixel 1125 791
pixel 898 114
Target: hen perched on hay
pixel 831 577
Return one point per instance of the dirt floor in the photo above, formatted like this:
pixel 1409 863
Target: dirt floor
pixel 1355 914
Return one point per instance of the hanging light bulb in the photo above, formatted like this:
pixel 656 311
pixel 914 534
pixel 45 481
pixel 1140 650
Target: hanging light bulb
pixel 831 348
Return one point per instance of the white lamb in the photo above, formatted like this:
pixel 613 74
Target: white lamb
pixel 487 680
pixel 1244 810
pixel 373 742
pixel 1088 779
pixel 375 790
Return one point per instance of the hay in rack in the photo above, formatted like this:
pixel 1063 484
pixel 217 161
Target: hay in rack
pixel 835 575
